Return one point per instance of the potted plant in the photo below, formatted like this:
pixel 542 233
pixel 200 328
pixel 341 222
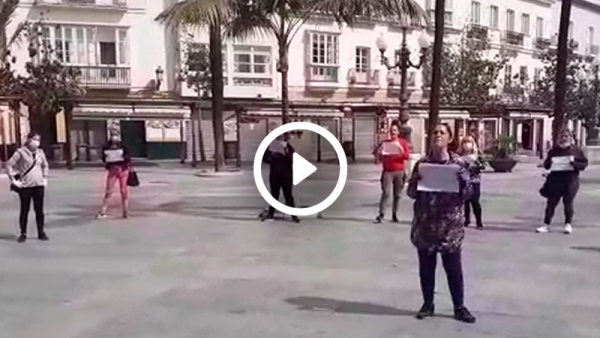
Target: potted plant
pixel 502 160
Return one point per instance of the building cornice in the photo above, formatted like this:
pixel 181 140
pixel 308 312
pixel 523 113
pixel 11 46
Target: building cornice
pixel 587 4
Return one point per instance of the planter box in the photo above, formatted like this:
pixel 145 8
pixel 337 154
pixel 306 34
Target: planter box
pixel 504 165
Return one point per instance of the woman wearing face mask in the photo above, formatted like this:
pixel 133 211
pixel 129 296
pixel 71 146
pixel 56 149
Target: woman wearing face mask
pixel 437 226
pixel 28 172
pixel 468 151
pixel 279 157
pixel 117 161
pixel 393 174
pixel 562 184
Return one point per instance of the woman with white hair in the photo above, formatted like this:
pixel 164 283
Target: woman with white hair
pixel 469 152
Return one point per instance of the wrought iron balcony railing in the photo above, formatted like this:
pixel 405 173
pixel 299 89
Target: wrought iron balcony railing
pixel 104 76
pixel 86 3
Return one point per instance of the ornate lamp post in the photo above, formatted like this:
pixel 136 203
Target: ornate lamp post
pixel 403 64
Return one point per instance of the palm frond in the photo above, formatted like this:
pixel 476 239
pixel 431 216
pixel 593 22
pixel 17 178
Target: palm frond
pixel 15 38
pixel 250 20
pixel 197 13
pixel 405 12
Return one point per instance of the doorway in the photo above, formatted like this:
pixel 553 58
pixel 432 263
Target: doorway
pixel 133 136
pixel 527 135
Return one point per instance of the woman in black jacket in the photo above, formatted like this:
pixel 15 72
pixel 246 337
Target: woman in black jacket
pixel 563 180
pixel 279 157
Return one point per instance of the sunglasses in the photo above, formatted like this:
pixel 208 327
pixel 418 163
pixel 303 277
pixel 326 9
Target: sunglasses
pixel 439 132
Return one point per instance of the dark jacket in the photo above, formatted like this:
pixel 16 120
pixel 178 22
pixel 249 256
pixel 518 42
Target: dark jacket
pixel 280 164
pixel 564 178
pixel 115 154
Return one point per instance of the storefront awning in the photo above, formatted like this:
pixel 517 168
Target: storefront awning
pixel 103 112
pixel 298 113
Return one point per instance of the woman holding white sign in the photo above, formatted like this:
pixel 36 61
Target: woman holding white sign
pixel 440 184
pixel 117 162
pixel 393 154
pixel 565 160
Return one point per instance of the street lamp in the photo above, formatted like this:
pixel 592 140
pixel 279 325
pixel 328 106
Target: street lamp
pixel 159 76
pixel 403 64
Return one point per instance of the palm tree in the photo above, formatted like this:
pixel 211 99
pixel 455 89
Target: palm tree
pixel 7 9
pixel 212 14
pixel 283 18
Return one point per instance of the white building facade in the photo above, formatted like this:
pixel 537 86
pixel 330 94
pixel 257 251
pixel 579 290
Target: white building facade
pixel 128 61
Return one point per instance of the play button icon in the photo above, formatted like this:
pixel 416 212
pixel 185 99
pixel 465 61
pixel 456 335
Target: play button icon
pixel 301 168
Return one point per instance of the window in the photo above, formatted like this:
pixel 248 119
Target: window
pixel 507 75
pixel 494 17
pixel 591 36
pixel 525 24
pixel 252 60
pixel 570 33
pixel 510 20
pixel 475 12
pixel 324 49
pixel 252 66
pixel 537 76
pixel 539 27
pixel 449 6
pixel 85 46
pixel 523 75
pixel 363 64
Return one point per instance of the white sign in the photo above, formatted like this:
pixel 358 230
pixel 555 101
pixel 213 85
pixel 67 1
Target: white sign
pixel 438 178
pixel 562 163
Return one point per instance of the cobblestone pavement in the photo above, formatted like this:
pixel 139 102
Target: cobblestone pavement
pixel 193 261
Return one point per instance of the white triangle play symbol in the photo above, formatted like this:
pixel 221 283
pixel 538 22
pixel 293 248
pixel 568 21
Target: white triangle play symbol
pixel 301 168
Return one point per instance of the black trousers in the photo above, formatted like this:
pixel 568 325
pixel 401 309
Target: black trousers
pixel 281 182
pixel 474 202
pixel 452 264
pixel 26 195
pixel 567 193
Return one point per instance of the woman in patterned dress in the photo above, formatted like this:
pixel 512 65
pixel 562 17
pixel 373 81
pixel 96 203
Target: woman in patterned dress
pixel 438 226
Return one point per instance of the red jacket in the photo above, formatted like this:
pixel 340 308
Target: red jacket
pixel 395 162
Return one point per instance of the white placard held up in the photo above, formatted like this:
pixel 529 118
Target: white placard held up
pixel 438 178
pixel 562 163
pixel 113 155
pixel 391 148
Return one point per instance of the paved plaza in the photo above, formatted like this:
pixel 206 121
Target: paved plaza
pixel 193 261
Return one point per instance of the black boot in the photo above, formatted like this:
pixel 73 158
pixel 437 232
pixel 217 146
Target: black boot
pixel 427 310
pixel 295 219
pixel 395 218
pixel 43 237
pixel 462 314
pixel 22 238
pixel 379 219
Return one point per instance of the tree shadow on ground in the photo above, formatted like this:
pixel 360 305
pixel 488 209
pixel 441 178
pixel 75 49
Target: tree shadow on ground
pixel 346 307
pixel 8 237
pixel 595 249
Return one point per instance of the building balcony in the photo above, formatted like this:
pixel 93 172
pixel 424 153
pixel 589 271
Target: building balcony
pixel 477 32
pixel 322 76
pixel 100 4
pixel 542 43
pixel 514 39
pixel 105 76
pixel 394 79
pixel 365 79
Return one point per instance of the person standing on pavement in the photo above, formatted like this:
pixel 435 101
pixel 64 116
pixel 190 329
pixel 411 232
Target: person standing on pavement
pixel 279 157
pixel 562 184
pixel 28 171
pixel 393 154
pixel 117 162
pixel 437 226
pixel 469 152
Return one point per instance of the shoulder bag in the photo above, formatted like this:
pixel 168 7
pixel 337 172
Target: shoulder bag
pixel 18 177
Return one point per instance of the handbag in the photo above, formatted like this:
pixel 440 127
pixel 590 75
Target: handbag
pixel 545 189
pixel 132 178
pixel 18 177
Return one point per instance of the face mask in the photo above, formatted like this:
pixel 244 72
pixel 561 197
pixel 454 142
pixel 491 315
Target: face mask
pixel 34 144
pixel 467 146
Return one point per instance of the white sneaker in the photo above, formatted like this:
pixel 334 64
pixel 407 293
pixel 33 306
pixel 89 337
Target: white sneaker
pixel 542 230
pixel 568 229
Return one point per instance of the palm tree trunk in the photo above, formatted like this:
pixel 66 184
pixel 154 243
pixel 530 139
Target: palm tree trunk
pixel 561 69
pixel 436 74
pixel 216 65
pixel 284 67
